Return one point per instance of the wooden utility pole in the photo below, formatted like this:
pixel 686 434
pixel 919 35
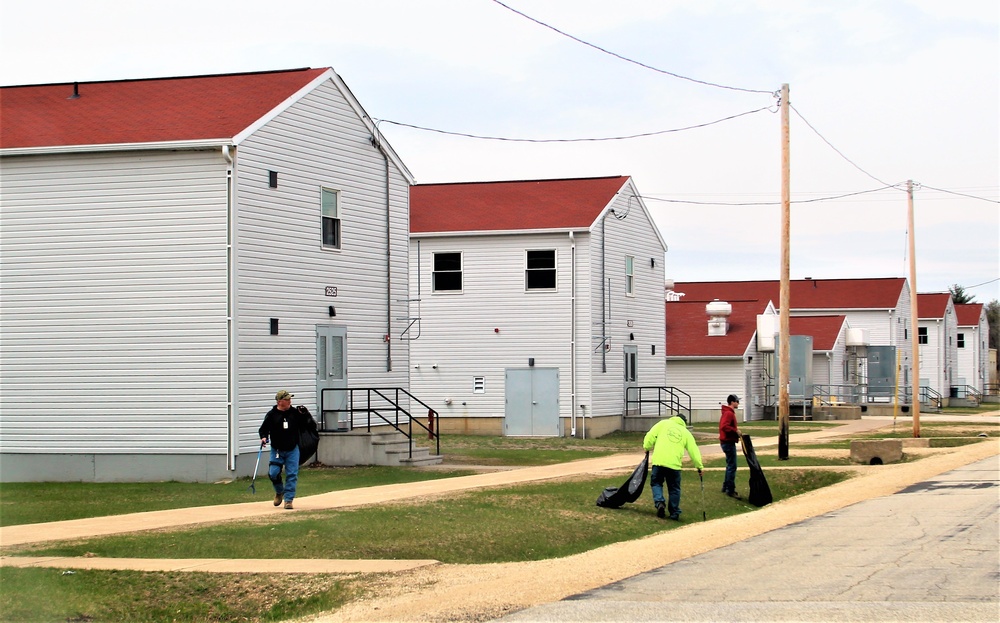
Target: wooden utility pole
pixel 784 296
pixel 914 313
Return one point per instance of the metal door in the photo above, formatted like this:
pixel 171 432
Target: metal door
pixel 331 374
pixel 531 402
pixel 631 368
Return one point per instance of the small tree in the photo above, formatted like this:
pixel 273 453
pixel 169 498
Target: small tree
pixel 960 296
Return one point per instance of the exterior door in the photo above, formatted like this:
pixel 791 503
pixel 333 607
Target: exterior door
pixel 531 402
pixel 631 368
pixel 331 376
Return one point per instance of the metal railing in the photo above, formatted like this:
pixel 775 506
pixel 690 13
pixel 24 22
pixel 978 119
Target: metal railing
pixel 967 392
pixel 668 400
pixel 930 396
pixel 384 403
pixel 838 394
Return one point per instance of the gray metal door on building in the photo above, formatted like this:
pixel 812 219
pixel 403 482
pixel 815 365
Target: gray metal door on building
pixel 881 371
pixel 631 352
pixel 531 402
pixel 331 376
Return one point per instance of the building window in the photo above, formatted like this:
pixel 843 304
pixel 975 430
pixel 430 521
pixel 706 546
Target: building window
pixel 921 335
pixel 479 385
pixel 331 219
pixel 447 275
pixel 629 275
pixel 540 270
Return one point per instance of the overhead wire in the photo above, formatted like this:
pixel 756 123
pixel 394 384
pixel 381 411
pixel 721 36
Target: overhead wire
pixel 767 203
pixel 840 153
pixel 952 192
pixel 629 60
pixel 572 140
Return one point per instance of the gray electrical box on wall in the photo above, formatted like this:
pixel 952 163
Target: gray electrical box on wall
pixel 881 371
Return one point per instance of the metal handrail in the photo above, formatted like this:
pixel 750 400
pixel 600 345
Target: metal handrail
pixel 393 403
pixel 965 391
pixel 669 399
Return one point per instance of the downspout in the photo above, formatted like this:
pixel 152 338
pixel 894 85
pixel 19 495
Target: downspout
pixel 232 433
pixel 572 334
pixel 604 320
pixel 388 258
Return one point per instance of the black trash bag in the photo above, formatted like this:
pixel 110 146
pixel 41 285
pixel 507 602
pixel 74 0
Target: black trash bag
pixel 760 493
pixel 631 489
pixel 308 435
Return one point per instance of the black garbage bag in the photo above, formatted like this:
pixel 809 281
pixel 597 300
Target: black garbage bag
pixel 308 435
pixel 631 489
pixel 760 493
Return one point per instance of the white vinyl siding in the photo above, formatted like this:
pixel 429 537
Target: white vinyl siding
pixel 709 381
pixel 319 142
pixel 114 288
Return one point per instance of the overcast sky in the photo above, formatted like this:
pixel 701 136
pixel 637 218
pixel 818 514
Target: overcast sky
pixel 904 89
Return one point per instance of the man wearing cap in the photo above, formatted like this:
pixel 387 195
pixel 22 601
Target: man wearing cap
pixel 729 435
pixel 281 426
pixel 666 441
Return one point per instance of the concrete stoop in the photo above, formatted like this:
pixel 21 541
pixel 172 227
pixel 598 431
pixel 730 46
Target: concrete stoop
pixel 359 447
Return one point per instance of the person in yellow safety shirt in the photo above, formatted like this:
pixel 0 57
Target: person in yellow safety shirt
pixel 666 441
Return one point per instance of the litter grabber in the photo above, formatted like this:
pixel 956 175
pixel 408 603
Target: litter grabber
pixel 702 479
pixel 252 487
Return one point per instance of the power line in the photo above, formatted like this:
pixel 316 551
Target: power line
pixel 952 192
pixel 629 60
pixel 570 140
pixel 840 153
pixel 766 203
pixel 985 283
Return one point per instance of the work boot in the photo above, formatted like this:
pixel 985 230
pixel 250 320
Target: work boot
pixel 676 517
pixel 288 505
pixel 277 499
pixel 734 495
pixel 661 510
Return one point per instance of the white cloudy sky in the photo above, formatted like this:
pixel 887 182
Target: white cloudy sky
pixel 905 89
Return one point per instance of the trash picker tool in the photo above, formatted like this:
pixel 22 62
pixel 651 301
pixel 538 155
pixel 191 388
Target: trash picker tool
pixel 702 479
pixel 253 487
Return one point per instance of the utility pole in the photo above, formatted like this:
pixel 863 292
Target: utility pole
pixel 914 314
pixel 784 296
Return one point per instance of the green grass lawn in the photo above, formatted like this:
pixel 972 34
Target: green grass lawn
pixel 35 502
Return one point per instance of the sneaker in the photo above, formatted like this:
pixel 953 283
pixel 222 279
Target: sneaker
pixel 734 495
pixel 661 511
pixel 277 500
pixel 288 505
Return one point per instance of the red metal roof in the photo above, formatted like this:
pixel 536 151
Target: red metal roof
pixel 687 329
pixel 513 205
pixel 143 111
pixel 876 293
pixel 968 314
pixel 823 329
pixel 933 305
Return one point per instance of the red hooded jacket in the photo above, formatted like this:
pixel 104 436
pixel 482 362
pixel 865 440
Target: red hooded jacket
pixel 727 425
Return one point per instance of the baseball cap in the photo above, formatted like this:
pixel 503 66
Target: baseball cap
pixel 283 395
pixel 732 398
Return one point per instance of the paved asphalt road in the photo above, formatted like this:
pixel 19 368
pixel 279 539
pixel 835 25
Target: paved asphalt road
pixel 928 553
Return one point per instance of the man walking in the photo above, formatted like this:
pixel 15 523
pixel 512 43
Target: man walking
pixel 729 435
pixel 281 426
pixel 667 440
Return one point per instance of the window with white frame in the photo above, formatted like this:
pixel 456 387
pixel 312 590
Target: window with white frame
pixel 331 218
pixel 447 272
pixel 479 385
pixel 961 340
pixel 540 270
pixel 921 335
pixel 629 275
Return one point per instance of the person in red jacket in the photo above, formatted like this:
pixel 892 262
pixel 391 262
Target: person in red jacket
pixel 729 435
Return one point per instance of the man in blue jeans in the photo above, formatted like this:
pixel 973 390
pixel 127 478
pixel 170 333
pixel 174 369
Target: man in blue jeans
pixel 281 426
pixel 729 435
pixel 667 440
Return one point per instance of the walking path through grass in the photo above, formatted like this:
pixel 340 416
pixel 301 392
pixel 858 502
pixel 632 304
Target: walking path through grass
pixel 102 526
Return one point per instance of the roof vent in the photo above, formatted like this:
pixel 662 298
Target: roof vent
pixel 718 313
pixel 76 92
